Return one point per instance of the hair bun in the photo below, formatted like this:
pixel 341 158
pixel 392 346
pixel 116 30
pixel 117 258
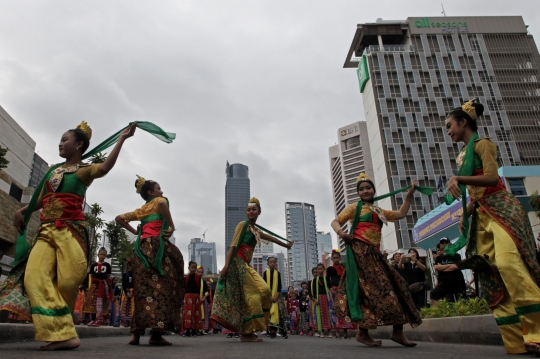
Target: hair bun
pixel 479 109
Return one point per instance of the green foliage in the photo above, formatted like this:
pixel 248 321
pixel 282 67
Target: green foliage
pixel 463 307
pixel 98 158
pixel 3 161
pixel 94 223
pixel 121 246
pixel 535 203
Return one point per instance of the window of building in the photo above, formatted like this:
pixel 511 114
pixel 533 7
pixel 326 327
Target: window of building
pixel 352 143
pixel 15 192
pixel 517 186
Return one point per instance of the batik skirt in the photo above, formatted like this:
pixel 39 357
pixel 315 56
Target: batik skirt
pixel 207 322
pixel 324 312
pixel 339 322
pixel 78 309
pixel 98 299
pixel 127 307
pixel 192 311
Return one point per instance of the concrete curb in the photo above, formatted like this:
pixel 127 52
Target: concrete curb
pixel 478 329
pixel 13 333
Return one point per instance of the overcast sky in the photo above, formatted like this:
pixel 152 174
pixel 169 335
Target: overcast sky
pixel 253 82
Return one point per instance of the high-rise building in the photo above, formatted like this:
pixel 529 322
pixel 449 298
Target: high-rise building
pixel 264 248
pixel 302 228
pixel 324 243
pixel 350 157
pixel 204 253
pixel 237 191
pixel 412 72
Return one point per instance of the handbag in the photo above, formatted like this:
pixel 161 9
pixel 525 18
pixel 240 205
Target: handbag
pixel 416 287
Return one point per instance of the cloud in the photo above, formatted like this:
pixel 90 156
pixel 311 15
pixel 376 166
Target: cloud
pixel 259 83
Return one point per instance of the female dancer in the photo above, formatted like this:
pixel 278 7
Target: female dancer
pixel 99 290
pixel 334 273
pixel 500 229
pixel 157 265
pixel 242 300
pixel 377 278
pixel 46 277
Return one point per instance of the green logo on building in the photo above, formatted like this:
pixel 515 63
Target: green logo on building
pixel 425 23
pixel 363 73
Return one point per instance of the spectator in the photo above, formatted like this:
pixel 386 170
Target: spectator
pixel 397 260
pixel 451 284
pixel 416 277
pixel 537 249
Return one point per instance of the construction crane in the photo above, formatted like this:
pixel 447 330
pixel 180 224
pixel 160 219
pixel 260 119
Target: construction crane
pixel 204 235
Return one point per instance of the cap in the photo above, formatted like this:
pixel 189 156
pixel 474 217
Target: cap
pixel 444 239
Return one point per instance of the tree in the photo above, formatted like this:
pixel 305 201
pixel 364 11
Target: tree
pixel 3 161
pixel 94 223
pixel 98 158
pixel 535 203
pixel 121 247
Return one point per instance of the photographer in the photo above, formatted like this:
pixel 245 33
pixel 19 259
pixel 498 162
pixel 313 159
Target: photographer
pixel 397 264
pixel 415 276
pixel 451 283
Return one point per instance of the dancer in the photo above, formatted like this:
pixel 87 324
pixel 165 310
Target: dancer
pixel 157 265
pixel 322 298
pixel 99 294
pixel 334 273
pixel 115 303
pixel 294 314
pixel 242 299
pixel 208 323
pixel 312 314
pixel 500 230
pixel 196 290
pixel 304 310
pixel 128 300
pixel 43 284
pixel 78 315
pixel 369 276
pixel 273 278
pixel 205 318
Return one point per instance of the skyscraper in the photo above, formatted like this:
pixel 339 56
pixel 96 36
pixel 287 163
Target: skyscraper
pixel 324 243
pixel 412 72
pixel 350 157
pixel 237 189
pixel 301 227
pixel 204 253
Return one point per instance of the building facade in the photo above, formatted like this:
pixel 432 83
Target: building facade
pixel 350 157
pixel 260 264
pixel 237 192
pixel 412 72
pixel 302 228
pixel 17 181
pixel 324 243
pixel 204 253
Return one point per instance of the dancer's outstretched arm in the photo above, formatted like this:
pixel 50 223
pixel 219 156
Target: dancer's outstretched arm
pixel 109 163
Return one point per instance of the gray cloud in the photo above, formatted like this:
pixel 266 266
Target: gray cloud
pixel 260 83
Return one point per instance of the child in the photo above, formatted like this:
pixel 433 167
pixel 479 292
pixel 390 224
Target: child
pixel 322 301
pixel 303 324
pixel 192 301
pixel 294 313
pixel 99 290
pixel 273 278
pixel 205 310
pixel 334 273
pixel 79 304
pixel 128 302
pixel 311 308
pixel 115 307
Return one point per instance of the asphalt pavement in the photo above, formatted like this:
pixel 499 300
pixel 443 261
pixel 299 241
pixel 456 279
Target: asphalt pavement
pixel 217 346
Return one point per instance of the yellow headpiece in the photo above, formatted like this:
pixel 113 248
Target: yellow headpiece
pixel 254 201
pixel 140 183
pixel 362 177
pixel 469 108
pixel 83 126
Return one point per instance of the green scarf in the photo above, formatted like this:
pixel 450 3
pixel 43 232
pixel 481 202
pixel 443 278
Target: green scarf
pixel 466 169
pixel 22 249
pixel 353 289
pixel 159 255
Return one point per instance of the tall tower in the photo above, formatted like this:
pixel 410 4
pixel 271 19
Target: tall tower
pixel 350 157
pixel 412 72
pixel 237 192
pixel 302 228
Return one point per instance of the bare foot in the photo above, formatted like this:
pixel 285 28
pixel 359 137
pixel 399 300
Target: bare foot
pixel 364 338
pixel 135 339
pixel 69 344
pixel 158 340
pixel 533 348
pixel 399 337
pixel 250 338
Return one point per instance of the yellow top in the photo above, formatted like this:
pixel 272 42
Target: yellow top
pixel 348 213
pixel 149 208
pixel 487 152
pixel 256 232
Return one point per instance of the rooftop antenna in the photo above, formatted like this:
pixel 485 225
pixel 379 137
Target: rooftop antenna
pixel 204 235
pixel 443 12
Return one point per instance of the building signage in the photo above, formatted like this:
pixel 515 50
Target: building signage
pixel 447 27
pixel 436 224
pixel 363 73
pixel 349 131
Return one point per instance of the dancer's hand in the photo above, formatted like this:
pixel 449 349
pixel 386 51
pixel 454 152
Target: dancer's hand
pixel 413 186
pixel 347 238
pixel 168 233
pixel 224 271
pixel 128 132
pixel 289 245
pixel 18 221
pixel 453 187
pixel 461 226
